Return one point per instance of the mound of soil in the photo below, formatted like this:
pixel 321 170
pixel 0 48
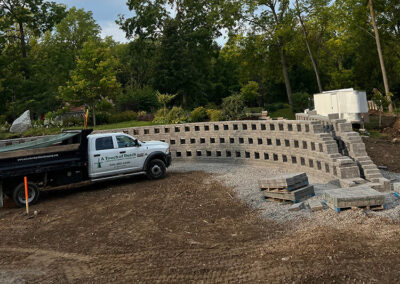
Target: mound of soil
pixel 384 152
pixel 185 228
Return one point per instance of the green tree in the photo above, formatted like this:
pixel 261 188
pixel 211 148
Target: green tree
pixel 36 15
pixel 250 93
pixel 186 37
pixel 276 20
pixel 94 77
pixel 164 99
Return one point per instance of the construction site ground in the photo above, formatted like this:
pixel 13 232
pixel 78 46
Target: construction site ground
pixel 384 152
pixel 188 227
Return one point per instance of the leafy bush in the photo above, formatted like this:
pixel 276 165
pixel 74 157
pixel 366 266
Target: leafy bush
pixel 215 115
pixel 101 118
pixel 140 99
pixel 253 109
pixel 198 114
pixel 123 116
pixel 104 106
pixel 177 115
pixel 250 93
pixel 74 121
pixel 159 117
pixel 276 106
pixel 233 107
pixel 301 101
pixel 284 112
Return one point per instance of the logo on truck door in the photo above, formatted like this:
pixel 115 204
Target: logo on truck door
pixel 115 158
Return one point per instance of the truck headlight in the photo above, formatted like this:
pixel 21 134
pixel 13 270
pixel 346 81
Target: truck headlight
pixel 167 151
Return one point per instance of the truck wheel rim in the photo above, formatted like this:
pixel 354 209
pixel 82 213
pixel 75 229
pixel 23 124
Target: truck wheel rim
pixel 156 170
pixel 21 195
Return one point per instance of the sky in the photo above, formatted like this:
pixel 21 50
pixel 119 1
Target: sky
pixel 105 12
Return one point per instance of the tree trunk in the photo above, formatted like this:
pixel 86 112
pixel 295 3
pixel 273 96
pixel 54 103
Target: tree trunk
pixel 94 115
pixel 283 60
pixel 286 76
pixel 22 38
pixel 314 63
pixel 378 45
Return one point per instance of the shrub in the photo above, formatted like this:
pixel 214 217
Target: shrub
pixel 74 121
pixel 140 99
pixel 177 115
pixel 104 106
pixel 101 118
pixel 301 101
pixel 214 115
pixel 233 107
pixel 123 116
pixel 198 114
pixel 159 117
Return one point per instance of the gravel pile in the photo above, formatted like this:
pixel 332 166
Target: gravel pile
pixel 244 181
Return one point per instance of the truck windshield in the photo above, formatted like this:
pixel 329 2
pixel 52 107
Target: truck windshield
pixel 125 141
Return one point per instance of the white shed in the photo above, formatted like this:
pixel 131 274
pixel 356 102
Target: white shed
pixel 348 103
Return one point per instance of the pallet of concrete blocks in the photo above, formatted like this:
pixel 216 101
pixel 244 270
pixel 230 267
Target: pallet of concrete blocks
pixel 290 187
pixel 358 197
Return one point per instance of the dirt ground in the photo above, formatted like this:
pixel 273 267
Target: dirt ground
pixel 384 152
pixel 185 228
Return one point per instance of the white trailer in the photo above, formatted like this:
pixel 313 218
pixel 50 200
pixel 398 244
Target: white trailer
pixel 349 104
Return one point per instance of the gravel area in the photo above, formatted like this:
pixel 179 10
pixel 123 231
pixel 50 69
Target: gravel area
pixel 244 180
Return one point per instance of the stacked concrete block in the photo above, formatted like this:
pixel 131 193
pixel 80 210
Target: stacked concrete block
pixel 292 187
pixel 351 145
pixel 355 197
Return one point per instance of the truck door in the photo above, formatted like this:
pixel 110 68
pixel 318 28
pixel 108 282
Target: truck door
pixel 130 153
pixel 103 157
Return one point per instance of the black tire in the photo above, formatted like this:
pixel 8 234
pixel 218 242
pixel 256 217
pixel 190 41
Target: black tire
pixel 156 169
pixel 19 194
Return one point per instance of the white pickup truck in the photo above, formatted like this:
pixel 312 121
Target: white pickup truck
pixel 75 158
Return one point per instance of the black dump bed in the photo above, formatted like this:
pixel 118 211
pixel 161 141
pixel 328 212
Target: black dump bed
pixel 50 153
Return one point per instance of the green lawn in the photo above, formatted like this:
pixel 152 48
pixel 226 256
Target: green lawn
pixel 56 130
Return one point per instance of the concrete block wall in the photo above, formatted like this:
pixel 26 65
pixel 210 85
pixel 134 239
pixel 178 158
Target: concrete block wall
pixel 351 144
pixel 300 145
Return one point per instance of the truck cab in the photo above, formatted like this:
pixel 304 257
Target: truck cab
pixel 113 154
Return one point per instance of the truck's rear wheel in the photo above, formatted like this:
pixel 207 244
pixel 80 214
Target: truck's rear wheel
pixel 156 169
pixel 19 194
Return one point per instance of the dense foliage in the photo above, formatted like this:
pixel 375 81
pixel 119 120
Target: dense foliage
pixel 277 51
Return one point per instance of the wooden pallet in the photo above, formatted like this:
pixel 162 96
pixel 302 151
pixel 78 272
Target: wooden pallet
pixel 285 188
pixel 294 196
pixel 369 207
pixel 279 200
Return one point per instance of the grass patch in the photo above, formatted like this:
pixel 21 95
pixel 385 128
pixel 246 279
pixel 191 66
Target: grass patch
pixel 283 112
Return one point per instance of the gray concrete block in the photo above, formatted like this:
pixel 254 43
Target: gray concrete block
pixel 297 206
pixel 289 181
pixel 396 187
pixel 315 205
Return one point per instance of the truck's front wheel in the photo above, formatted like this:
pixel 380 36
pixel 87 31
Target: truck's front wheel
pixel 156 169
pixel 19 194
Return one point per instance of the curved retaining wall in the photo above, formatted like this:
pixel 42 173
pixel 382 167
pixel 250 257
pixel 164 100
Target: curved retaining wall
pixel 301 145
